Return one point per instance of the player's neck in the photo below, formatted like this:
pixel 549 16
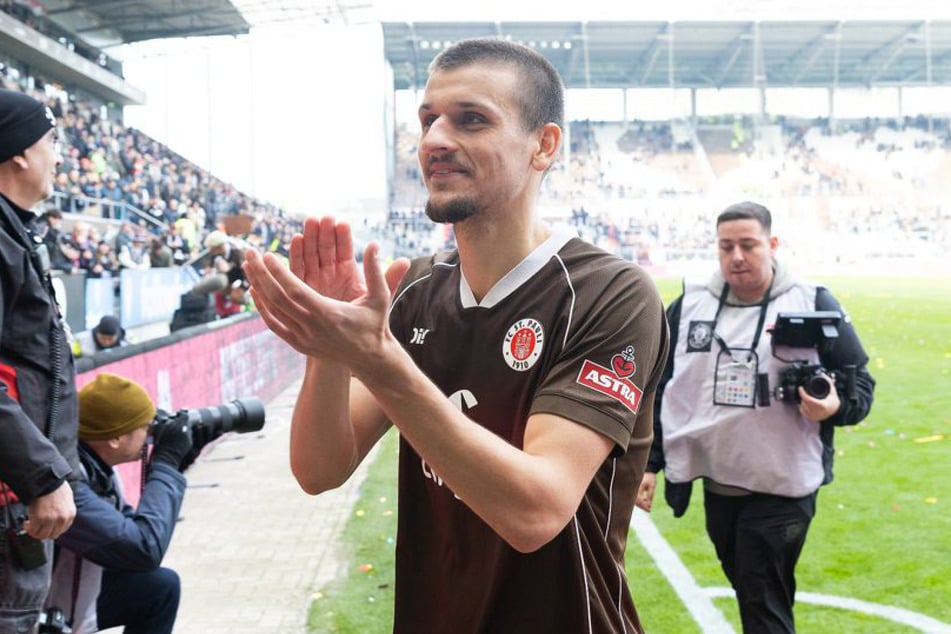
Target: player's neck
pixel 487 251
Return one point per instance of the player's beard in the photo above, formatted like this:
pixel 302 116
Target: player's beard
pixel 451 211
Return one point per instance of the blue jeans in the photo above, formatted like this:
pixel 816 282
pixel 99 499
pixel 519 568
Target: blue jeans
pixel 144 602
pixel 22 592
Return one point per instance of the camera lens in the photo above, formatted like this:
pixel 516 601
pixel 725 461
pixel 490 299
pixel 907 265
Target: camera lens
pixel 816 386
pixel 241 415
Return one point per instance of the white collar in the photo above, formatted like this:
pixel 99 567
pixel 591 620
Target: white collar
pixel 524 270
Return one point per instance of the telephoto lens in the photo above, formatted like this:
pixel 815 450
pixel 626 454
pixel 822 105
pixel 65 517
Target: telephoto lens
pixel 241 415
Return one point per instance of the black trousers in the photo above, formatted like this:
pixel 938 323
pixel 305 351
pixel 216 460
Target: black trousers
pixel 144 602
pixel 758 539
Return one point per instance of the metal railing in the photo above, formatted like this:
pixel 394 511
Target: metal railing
pixel 109 209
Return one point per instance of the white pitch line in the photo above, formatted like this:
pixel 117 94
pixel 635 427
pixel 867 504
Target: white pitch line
pixel 898 615
pixel 919 621
pixel 711 620
pixel 698 603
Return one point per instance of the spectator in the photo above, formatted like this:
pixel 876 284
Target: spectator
pixel 104 263
pixel 181 250
pixel 130 251
pixel 232 300
pixel 108 333
pixel 227 257
pixel 62 256
pixel 160 255
pixel 124 237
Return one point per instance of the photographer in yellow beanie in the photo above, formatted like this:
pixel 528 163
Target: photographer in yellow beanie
pixel 107 572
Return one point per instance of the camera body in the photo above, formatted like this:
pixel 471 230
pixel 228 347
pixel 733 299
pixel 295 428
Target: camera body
pixel 818 330
pixel 208 423
pixel 805 375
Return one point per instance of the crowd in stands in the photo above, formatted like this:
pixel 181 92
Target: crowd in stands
pixel 640 189
pixel 643 189
pixel 130 201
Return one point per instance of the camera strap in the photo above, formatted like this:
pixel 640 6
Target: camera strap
pixel 763 306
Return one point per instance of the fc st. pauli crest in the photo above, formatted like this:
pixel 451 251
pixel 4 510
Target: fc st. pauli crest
pixel 523 343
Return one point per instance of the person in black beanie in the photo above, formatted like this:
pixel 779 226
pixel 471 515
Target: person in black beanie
pixel 38 406
pixel 108 334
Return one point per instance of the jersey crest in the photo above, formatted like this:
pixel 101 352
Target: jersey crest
pixel 523 344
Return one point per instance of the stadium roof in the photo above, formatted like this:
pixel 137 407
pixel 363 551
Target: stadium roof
pixel 108 22
pixel 702 54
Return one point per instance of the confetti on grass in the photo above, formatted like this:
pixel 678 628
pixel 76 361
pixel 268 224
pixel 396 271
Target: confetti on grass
pixel 934 438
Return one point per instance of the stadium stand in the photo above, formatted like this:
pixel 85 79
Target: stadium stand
pixel 641 189
pixel 128 204
pixel 645 190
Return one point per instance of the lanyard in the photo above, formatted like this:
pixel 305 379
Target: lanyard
pixel 759 324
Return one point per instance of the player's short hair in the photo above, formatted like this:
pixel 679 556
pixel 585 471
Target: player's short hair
pixel 541 95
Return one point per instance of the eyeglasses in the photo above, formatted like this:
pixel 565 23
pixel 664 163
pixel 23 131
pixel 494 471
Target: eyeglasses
pixel 57 142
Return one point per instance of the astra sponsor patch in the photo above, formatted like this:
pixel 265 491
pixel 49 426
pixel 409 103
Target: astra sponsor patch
pixel 601 379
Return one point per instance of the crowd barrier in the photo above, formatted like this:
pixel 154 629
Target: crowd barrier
pixel 200 366
pixel 145 296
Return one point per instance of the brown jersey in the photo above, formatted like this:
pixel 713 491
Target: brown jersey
pixel 571 331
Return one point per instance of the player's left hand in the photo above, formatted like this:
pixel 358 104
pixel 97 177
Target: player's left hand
pixel 346 331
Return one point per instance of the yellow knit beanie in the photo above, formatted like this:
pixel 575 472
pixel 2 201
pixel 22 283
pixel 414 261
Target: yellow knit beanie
pixel 111 406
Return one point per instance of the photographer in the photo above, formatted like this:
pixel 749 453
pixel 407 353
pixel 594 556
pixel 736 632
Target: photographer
pixel 107 569
pixel 233 300
pixel 227 256
pixel 762 461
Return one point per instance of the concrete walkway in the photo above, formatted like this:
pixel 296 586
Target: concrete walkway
pixel 251 548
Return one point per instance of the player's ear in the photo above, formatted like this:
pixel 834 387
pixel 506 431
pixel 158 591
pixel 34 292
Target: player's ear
pixel 549 141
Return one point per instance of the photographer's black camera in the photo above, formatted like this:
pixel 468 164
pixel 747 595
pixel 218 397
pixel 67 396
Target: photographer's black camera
pixel 804 375
pixel 241 415
pixel 818 330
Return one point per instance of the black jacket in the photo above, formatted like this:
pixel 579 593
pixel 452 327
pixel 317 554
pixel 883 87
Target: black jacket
pixel 108 531
pixel 33 462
